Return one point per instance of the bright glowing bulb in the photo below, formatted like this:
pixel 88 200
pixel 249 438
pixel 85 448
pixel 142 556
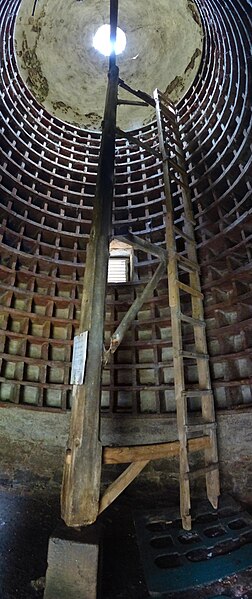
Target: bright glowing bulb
pixel 101 40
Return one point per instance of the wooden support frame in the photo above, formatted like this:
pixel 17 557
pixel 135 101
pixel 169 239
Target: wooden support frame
pixel 156 451
pixel 130 103
pixel 80 490
pixel 82 469
pixel 140 456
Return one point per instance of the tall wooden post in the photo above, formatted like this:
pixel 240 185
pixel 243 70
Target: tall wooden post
pixel 82 469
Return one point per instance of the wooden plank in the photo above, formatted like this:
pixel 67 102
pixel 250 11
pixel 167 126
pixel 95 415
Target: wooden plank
pixel 127 320
pixel 197 392
pixel 113 28
pixel 195 355
pixel 179 182
pixel 193 474
pixel 82 469
pixel 137 92
pixel 138 142
pixel 190 290
pixel 187 264
pixel 142 244
pixel 136 453
pixel 174 302
pixel 193 321
pixel 184 236
pixel 166 100
pixel 118 486
pixel 131 103
pixel 176 167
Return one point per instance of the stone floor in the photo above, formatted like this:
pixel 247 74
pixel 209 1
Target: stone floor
pixel 27 522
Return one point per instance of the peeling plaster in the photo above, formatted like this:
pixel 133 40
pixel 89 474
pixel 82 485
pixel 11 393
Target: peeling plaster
pixel 68 76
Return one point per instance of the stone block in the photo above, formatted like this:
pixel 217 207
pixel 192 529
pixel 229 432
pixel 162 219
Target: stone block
pixel 74 563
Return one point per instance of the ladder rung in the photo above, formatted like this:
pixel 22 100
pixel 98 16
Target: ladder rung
pixel 179 182
pixel 200 471
pixel 188 265
pixel 196 392
pixel 195 426
pixel 170 133
pixel 138 142
pixel 177 167
pixel 191 354
pixel 193 321
pixel 166 100
pixel 189 220
pixel 184 236
pixel 172 149
pixel 170 116
pixel 190 290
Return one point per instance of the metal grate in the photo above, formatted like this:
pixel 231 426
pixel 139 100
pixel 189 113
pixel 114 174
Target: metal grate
pixel 175 560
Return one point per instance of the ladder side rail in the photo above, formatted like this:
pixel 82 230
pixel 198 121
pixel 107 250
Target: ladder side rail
pixel 207 403
pixel 174 302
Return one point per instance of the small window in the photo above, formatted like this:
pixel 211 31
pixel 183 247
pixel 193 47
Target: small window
pixel 120 263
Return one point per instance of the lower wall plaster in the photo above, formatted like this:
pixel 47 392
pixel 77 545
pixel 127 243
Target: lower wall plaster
pixel 32 448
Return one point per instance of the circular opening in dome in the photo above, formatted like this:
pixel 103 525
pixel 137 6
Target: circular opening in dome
pixel 101 40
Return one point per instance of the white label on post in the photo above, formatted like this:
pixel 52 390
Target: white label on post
pixel 79 358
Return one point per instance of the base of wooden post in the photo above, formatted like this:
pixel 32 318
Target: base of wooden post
pixel 74 563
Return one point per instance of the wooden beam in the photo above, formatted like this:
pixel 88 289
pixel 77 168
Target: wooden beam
pixel 137 92
pixel 121 102
pixel 118 486
pixel 137 453
pixel 82 469
pixel 127 320
pixel 138 142
pixel 142 244
pixel 113 28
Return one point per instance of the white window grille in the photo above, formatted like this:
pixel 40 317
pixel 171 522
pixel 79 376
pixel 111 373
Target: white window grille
pixel 119 266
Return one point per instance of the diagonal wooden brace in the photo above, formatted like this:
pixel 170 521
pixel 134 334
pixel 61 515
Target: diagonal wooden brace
pixel 145 246
pixel 119 333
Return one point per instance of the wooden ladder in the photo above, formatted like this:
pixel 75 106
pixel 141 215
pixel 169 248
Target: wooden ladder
pixel 182 264
pixel 81 502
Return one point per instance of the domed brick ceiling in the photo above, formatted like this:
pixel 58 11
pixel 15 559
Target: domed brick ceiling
pixel 67 75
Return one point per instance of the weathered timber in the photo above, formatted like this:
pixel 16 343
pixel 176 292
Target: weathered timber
pixel 207 403
pixel 127 320
pixel 174 302
pixel 139 142
pixel 142 244
pixel 118 486
pixel 82 468
pixel 137 453
pixel 131 103
pixel 137 92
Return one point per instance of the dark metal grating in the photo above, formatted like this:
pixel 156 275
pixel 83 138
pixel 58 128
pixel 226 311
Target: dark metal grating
pixel 220 544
